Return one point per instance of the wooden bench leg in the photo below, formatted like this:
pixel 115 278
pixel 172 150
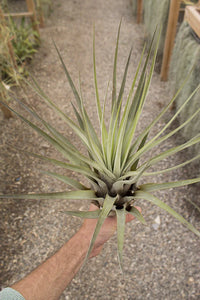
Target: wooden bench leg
pixel 40 12
pixel 139 11
pixel 31 8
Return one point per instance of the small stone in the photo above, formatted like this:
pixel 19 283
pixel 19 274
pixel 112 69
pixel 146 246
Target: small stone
pixel 157 220
pixel 190 280
pixel 18 179
pixel 156 223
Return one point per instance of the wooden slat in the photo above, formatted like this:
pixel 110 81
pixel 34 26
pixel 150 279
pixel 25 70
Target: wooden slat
pixel 192 16
pixel 21 14
pixel 139 11
pixel 170 37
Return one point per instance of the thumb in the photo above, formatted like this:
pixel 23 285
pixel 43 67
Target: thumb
pixel 130 217
pixel 93 207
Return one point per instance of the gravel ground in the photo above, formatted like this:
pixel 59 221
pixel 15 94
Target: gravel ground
pixel 160 262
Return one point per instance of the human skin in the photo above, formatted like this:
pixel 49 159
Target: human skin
pixel 51 278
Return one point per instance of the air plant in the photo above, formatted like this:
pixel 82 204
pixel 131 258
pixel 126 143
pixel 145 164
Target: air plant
pixel 113 166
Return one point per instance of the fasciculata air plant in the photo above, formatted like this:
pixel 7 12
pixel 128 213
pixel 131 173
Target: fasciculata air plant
pixel 112 166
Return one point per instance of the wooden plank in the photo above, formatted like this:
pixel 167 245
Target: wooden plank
pixel 21 14
pixel 192 16
pixel 170 37
pixel 139 11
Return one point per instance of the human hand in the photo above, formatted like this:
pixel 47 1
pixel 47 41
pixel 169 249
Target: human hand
pixel 107 230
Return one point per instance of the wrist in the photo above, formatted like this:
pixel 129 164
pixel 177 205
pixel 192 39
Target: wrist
pixel 81 241
pixel 84 236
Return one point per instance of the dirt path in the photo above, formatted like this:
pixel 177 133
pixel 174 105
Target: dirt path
pixel 159 264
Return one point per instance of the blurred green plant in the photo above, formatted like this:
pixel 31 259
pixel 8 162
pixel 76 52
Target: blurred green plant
pixel 18 45
pixel 25 40
pixel 4 5
pixel 8 62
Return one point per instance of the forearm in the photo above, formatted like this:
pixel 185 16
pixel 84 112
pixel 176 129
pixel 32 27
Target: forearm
pixel 50 279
